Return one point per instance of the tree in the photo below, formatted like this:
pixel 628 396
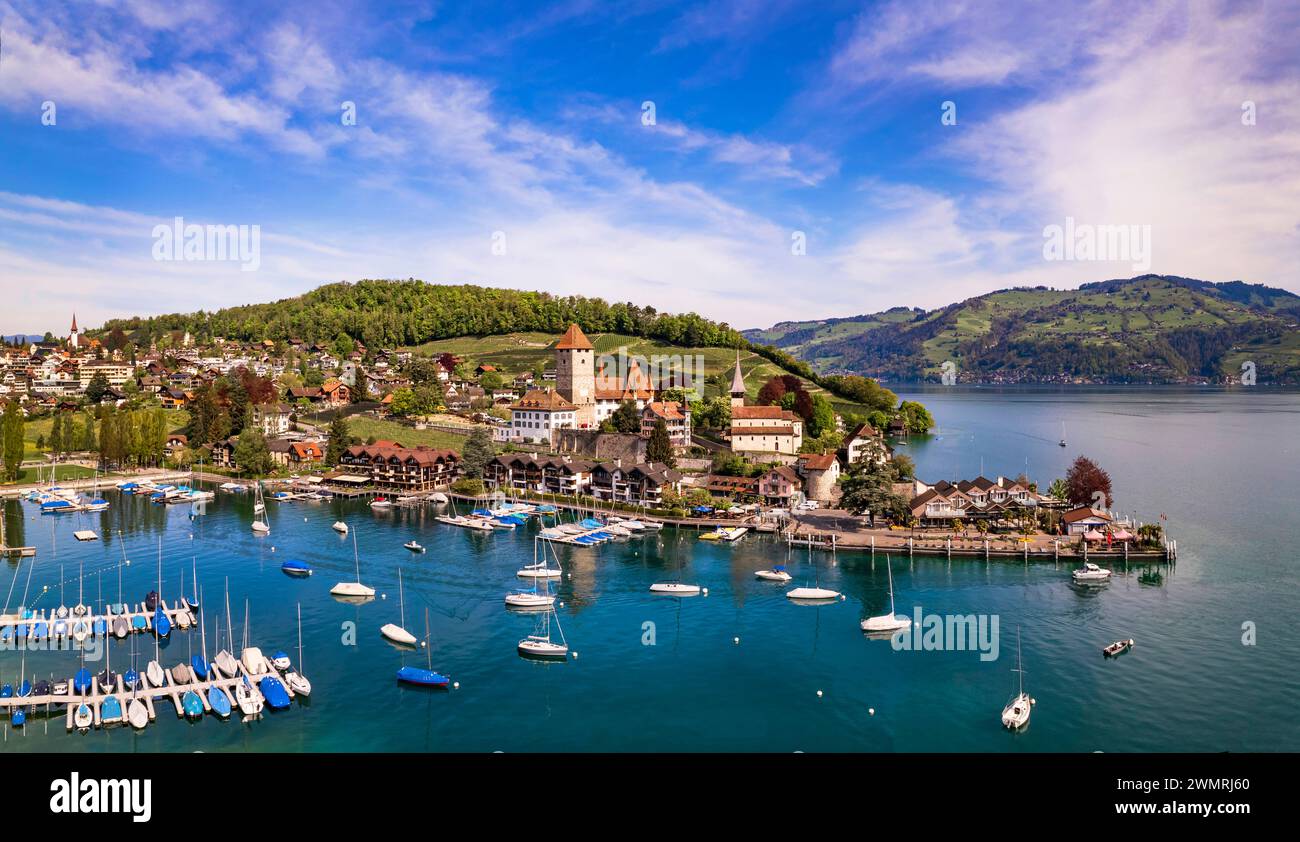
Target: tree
pixel 915 417
pixel 627 418
pixel 713 413
pixel 821 419
pixel 403 403
pixel 1058 489
pixel 251 453
pixel 660 447
pixel 477 453
pixel 1086 484
pixel 770 392
pixel 56 434
pixel 340 440
pixel 88 442
pixel 869 488
pixel 12 427
pixel 96 388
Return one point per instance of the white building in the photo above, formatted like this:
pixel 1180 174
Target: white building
pixel 538 413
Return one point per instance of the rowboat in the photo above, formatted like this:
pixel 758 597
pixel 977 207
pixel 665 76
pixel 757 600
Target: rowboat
pixel 1119 647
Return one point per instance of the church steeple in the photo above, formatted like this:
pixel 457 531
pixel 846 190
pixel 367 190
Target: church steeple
pixel 72 338
pixel 737 384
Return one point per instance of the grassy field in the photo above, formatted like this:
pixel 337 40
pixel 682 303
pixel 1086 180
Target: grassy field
pixel 61 472
pixel 364 427
pixel 39 428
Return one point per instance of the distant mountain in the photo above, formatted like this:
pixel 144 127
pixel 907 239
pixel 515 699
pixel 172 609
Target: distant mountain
pixel 1152 328
pixel 23 337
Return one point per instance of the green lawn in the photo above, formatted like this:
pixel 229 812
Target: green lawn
pixel 61 472
pixel 364 427
pixel 40 427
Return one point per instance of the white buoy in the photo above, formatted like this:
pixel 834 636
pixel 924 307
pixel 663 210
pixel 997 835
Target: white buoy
pixel 455 685
pixel 735 640
pixel 383 596
pixel 423 643
pixel 819 694
pixel 575 656
pixel 705 591
pixel 127 562
pixel 871 711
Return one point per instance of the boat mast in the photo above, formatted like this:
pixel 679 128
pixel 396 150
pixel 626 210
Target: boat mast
pixel 356 558
pixel 401 597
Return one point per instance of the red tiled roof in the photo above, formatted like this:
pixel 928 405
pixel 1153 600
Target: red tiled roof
pixel 543 400
pixel 574 340
pixel 817 461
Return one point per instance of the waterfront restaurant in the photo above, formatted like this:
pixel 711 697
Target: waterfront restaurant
pixel 409 469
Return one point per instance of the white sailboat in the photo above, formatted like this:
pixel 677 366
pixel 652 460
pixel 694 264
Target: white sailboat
pixel 675 588
pixel 340 527
pixel 890 622
pixel 532 598
pixel 540 645
pixel 815 593
pixel 1016 713
pixel 223 660
pixel 353 588
pixel 298 682
pixel 396 633
pixel 260 526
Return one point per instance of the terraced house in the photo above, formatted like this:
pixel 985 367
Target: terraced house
pixel 542 474
pixel 943 502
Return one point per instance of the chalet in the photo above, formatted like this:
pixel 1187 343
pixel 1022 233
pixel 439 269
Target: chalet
pixel 176 442
pixel 866 442
pixel 335 393
pixel 279 450
pixel 1085 519
pixel 638 485
pixel 172 398
pixel 996 501
pixel 305 453
pixel 406 469
pixel 721 485
pixel 544 474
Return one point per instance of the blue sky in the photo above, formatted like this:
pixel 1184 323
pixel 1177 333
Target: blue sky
pixel 524 121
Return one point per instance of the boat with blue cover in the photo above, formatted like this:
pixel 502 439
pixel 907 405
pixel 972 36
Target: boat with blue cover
pixel 81 681
pixel 110 710
pixel 274 693
pixel 161 625
pixel 422 676
pixel 219 702
pixel 191 704
pixel 18 718
pixel 296 568
pixel 24 689
pixel 7 691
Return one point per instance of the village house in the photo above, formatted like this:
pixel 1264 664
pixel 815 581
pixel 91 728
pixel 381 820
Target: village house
pixel 1085 519
pixel 866 442
pixel 676 417
pixel 542 474
pixel 1000 501
pixel 638 485
pixel 389 465
pixel 735 488
pixel 272 418
pixel 780 486
pixel 175 444
pixel 306 454
pixel 173 398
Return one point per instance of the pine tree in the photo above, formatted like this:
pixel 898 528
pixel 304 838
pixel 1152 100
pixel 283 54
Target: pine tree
pixel 12 427
pixel 340 439
pixel 56 434
pixel 660 447
pixel 478 452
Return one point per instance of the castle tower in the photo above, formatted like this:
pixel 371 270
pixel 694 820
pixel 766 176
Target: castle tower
pixel 72 337
pixel 737 385
pixel 575 374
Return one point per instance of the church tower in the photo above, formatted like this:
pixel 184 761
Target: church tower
pixel 575 374
pixel 72 337
pixel 737 385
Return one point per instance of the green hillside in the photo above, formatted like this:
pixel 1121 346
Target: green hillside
pixel 1145 329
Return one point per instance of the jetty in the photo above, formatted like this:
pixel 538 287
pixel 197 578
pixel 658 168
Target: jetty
pixel 138 619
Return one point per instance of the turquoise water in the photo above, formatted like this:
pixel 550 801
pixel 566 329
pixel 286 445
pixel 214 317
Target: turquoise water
pixel 1221 465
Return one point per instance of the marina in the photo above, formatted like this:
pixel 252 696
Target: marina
pixel 707 673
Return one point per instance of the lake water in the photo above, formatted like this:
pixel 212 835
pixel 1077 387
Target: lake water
pixel 1222 465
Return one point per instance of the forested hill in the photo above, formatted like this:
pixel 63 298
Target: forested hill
pixel 1146 329
pixel 402 313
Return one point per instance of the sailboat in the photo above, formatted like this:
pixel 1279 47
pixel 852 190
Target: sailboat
pixel 83 717
pixel 540 569
pixel 778 573
pixel 260 526
pixel 540 645
pixel 298 682
pixel 1016 713
pixel 399 634
pixel 340 527
pixel 423 677
pixel 199 662
pixel 136 711
pixel 676 587
pixel 531 598
pixel 250 703
pixel 250 656
pixel 1062 441
pixel 161 625
pixel 890 622
pixel 353 588
pixel 223 660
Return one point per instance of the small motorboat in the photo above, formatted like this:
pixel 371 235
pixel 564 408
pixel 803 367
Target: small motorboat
pixel 1090 573
pixel 139 623
pixel 219 702
pixel 352 589
pixel 776 574
pixel 150 603
pixel 191 703
pixel 42 688
pixel 340 527
pixel 60 688
pixel 83 717
pixel 18 717
pixel 541 646
pixel 280 660
pixel 381 503
pixel 413 547
pixel 155 673
pixel 137 714
pixel 422 677
pixel 674 589
pixel 274 693
pixel 438 497
pixel 296 568
pixel 7 691
pixel 24 689
pixel 110 710
pixel 1119 647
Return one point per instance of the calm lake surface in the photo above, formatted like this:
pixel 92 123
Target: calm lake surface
pixel 1222 465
